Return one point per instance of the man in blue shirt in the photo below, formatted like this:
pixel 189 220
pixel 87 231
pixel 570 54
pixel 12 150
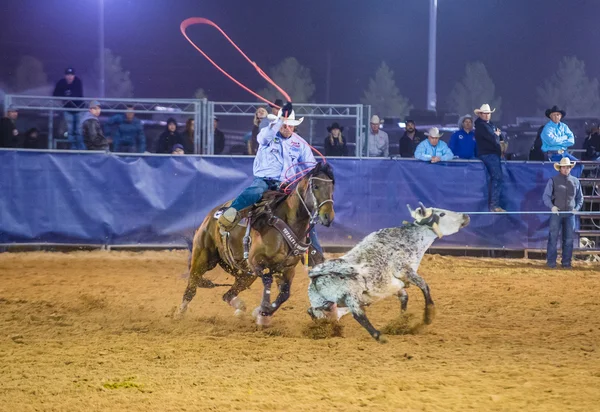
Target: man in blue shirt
pixel 433 149
pixel 280 152
pixel 556 136
pixel 129 134
pixel 562 194
pixel 462 142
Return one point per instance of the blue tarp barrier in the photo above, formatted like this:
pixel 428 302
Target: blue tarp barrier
pixel 97 198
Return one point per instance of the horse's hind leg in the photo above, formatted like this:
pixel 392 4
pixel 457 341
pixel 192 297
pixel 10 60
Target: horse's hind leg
pixel 231 296
pixel 202 261
pixel 414 278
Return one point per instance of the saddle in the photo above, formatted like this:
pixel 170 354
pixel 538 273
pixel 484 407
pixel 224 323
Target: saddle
pixel 257 216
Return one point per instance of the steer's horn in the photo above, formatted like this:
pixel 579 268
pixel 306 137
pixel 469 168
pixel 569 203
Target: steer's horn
pixel 413 213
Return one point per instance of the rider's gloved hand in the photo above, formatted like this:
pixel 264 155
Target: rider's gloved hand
pixel 286 110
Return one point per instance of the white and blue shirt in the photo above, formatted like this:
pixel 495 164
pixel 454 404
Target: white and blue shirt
pixel 277 155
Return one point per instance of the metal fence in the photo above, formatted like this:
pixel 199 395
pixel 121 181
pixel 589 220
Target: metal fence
pixel 201 110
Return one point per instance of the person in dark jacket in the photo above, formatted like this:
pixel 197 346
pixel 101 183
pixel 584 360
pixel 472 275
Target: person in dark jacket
pixel 488 137
pixel 31 139
pixel 591 145
pixel 71 86
pixel 219 137
pixel 188 136
pixel 169 138
pixel 536 153
pixel 9 134
pixel 410 139
pixel 335 144
pixel 562 195
pixel 128 136
pixel 93 136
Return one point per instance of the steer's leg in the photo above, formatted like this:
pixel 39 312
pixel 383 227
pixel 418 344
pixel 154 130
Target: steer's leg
pixel 414 278
pixel 403 296
pixel 361 317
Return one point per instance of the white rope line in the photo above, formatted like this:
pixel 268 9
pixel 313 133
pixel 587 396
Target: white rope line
pixel 544 212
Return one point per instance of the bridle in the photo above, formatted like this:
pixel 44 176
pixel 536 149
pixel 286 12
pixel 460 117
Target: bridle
pixel 315 214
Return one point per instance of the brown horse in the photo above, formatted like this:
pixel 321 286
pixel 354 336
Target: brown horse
pixel 269 253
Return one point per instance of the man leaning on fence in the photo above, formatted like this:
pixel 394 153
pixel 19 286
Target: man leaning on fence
pixel 128 132
pixel 562 194
pixel 556 136
pixel 93 136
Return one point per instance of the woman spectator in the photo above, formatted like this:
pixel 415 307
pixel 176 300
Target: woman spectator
pixel 335 144
pixel 261 113
pixel 168 138
pixel 188 137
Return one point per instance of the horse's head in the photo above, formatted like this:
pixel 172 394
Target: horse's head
pixel 317 195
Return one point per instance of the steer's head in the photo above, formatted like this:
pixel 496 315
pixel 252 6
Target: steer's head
pixel 442 222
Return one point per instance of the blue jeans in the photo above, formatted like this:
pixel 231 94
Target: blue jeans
pixel 74 132
pixel 494 168
pixel 567 223
pixel 253 194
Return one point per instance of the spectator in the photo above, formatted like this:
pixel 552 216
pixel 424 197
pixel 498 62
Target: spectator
pixel 129 134
pixel 535 153
pixel 562 194
pixel 591 145
pixel 335 144
pixel 410 139
pixel 259 117
pixel 71 86
pixel 9 134
pixel 219 137
pixel 488 136
pixel 378 144
pixel 31 139
pixel 556 136
pixel 177 149
pixel 433 149
pixel 188 136
pixel 168 138
pixel 93 136
pixel 462 142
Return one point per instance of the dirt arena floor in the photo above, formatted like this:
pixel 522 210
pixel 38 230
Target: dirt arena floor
pixel 90 331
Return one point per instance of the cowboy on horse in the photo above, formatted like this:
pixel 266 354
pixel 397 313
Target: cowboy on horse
pixel 280 150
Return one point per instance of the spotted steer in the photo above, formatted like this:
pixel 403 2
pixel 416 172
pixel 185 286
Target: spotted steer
pixel 381 265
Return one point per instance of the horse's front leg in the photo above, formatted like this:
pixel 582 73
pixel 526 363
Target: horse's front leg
pixel 267 309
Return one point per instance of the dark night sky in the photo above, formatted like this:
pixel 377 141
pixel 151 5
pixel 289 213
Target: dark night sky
pixel 520 42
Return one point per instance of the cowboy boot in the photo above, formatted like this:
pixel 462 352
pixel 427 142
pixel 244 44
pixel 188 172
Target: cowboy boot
pixel 229 219
pixel 315 258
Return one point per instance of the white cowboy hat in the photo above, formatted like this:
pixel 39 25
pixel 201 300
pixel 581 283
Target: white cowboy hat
pixel 434 132
pixel 290 121
pixel 485 108
pixel 375 119
pixel 565 161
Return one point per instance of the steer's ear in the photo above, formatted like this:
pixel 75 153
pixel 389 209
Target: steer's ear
pixel 413 213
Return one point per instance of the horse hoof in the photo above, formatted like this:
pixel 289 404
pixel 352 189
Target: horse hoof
pixel 238 313
pixel 262 320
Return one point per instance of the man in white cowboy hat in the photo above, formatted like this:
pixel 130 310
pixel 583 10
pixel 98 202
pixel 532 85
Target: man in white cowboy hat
pixel 280 152
pixel 488 137
pixel 378 143
pixel 556 136
pixel 563 195
pixel 433 149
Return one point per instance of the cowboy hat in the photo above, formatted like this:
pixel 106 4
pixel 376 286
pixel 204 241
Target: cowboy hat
pixel 565 161
pixel 375 119
pixel 290 121
pixel 335 125
pixel 485 108
pixel 555 109
pixel 434 132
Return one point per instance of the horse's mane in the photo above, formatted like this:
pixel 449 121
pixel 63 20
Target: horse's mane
pixel 324 168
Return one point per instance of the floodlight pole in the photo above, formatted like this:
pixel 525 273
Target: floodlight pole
pixel 431 94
